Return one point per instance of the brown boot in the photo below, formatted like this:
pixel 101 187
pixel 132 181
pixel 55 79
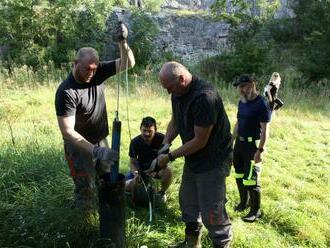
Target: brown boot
pixel 194 241
pixel 191 241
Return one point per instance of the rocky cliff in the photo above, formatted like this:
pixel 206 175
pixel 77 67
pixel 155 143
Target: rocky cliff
pixel 190 36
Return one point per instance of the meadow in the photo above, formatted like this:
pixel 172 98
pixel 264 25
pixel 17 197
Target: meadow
pixel 36 189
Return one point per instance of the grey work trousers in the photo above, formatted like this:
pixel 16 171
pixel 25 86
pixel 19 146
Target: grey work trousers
pixel 82 171
pixel 202 197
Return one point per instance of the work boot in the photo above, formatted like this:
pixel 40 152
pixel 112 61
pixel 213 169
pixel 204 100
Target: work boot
pixel 226 245
pixel 194 241
pixel 255 212
pixel 243 195
pixel 191 241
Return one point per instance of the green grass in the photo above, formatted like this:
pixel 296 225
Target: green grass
pixel 36 190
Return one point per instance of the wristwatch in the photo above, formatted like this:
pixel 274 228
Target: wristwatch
pixel 170 157
pixel 260 149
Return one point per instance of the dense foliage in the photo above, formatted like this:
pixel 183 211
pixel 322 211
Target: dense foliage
pixel 260 43
pixel 36 32
pixel 144 31
pixel 312 28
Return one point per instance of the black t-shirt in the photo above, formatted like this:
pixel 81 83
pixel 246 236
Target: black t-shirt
pixel 249 116
pixel 143 152
pixel 202 106
pixel 87 102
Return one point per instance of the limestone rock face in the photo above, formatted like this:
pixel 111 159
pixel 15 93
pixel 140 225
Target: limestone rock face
pixel 188 4
pixel 191 37
pixel 284 11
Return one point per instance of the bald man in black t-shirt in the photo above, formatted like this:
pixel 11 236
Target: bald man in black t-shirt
pixel 82 117
pixel 199 118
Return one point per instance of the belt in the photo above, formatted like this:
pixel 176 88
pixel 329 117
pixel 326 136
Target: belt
pixel 247 139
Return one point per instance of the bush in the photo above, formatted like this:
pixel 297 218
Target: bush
pixel 153 5
pixel 260 43
pixel 313 23
pixel 249 41
pixel 249 52
pixel 39 31
pixel 144 31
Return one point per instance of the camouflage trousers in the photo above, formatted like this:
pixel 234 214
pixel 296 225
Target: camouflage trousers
pixel 82 171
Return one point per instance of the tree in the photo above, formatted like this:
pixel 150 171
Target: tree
pixel 249 41
pixel 37 31
pixel 144 31
pixel 312 26
pixel 244 12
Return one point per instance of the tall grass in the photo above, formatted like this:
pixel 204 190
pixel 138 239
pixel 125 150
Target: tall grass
pixel 36 190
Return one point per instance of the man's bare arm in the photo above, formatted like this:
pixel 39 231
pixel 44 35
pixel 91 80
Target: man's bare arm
pixel 127 59
pixel 66 125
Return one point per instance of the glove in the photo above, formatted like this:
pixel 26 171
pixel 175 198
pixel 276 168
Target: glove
pixel 121 32
pixel 104 154
pixel 165 149
pixel 153 167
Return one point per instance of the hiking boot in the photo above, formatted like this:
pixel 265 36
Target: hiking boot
pixel 182 244
pixel 194 241
pixel 226 245
pixel 191 241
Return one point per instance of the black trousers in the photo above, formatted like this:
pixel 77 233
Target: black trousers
pixel 244 165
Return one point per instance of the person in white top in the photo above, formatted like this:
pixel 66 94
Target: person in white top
pixel 271 91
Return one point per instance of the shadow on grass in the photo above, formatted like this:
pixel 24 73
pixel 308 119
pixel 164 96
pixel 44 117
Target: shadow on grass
pixel 36 196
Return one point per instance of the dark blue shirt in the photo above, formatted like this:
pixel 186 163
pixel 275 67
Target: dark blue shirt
pixel 249 116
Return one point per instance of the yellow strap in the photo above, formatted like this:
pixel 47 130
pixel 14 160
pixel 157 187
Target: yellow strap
pixel 238 175
pixel 249 182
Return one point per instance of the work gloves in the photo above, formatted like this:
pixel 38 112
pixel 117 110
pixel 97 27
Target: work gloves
pixel 153 167
pixel 165 149
pixel 121 32
pixel 154 164
pixel 104 154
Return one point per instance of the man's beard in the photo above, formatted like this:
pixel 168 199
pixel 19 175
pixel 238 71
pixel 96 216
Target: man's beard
pixel 243 99
pixel 247 97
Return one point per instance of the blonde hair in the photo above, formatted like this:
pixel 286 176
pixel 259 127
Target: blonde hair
pixel 275 79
